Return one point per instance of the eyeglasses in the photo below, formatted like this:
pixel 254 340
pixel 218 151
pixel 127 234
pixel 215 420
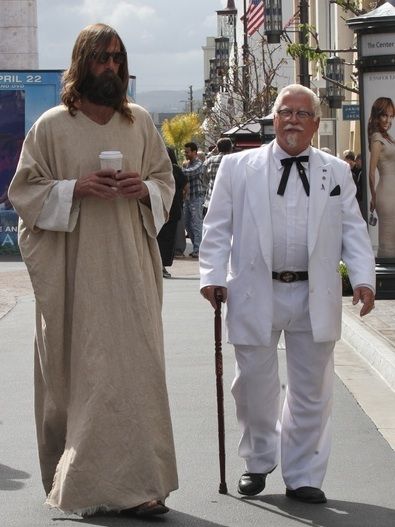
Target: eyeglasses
pixel 286 113
pixel 102 57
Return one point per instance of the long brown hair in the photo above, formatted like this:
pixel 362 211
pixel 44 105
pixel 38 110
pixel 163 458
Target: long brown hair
pixel 380 107
pixel 94 38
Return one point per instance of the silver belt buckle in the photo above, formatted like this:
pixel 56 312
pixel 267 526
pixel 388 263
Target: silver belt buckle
pixel 288 276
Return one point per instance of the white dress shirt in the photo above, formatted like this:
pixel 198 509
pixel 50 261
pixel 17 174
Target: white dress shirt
pixel 289 215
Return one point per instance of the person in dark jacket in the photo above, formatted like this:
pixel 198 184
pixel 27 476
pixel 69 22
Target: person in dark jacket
pixel 167 235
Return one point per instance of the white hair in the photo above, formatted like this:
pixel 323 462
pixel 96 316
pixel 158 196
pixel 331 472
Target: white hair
pixel 294 89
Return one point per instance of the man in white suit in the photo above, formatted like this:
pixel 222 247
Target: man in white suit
pixel 273 237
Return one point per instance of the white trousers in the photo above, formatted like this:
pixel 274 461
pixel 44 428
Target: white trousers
pixel 304 432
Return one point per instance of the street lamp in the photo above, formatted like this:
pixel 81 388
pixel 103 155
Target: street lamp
pixel 267 132
pixel 274 29
pixel 335 90
pixel 273 21
pixel 211 85
pixel 222 60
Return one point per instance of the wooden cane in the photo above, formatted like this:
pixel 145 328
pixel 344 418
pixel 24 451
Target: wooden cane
pixel 220 390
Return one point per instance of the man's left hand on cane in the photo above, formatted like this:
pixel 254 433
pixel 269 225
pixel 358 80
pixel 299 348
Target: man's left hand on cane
pixel 366 296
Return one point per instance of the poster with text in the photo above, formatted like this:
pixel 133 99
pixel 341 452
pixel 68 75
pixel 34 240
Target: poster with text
pixel 24 96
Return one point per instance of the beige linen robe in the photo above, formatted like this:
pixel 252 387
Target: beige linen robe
pixel 102 414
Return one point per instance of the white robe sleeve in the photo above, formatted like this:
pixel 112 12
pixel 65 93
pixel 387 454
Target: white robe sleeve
pixel 153 218
pixel 60 211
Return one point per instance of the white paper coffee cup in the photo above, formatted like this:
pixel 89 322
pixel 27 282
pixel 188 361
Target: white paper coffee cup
pixel 111 159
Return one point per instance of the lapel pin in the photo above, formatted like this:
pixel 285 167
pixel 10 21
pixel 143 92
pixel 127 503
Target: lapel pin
pixel 322 187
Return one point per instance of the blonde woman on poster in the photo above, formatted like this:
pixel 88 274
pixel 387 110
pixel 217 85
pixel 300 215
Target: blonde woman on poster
pixel 382 158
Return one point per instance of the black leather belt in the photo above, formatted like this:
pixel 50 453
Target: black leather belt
pixel 290 276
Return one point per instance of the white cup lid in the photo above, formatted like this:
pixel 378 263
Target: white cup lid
pixel 109 154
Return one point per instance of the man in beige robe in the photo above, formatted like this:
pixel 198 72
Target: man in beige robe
pixel 88 237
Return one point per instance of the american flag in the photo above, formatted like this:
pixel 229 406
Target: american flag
pixel 255 16
pixel 293 21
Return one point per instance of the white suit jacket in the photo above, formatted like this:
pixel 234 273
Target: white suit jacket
pixel 236 249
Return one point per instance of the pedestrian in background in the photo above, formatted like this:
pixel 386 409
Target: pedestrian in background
pixel 211 165
pixel 356 172
pixel 88 238
pixel 193 203
pixel 351 159
pixel 167 235
pixel 326 149
pixel 281 218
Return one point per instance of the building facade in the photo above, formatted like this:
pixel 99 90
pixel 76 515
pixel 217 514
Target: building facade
pixel 18 35
pixel 339 128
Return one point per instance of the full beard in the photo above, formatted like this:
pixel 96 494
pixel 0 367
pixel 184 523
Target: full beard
pixel 105 89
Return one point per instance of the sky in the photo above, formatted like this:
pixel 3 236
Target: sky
pixel 163 38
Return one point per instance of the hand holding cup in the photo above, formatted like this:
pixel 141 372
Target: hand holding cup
pixel 130 185
pixel 101 184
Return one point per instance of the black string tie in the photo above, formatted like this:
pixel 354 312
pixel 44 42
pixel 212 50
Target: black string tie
pixel 287 164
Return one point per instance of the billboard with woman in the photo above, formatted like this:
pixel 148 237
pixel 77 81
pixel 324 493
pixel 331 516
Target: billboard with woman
pixel 379 110
pixel 381 170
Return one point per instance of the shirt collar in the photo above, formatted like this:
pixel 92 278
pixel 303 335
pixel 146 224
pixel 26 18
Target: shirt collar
pixel 195 161
pixel 279 153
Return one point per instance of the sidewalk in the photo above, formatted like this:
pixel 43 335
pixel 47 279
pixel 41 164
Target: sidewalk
pixel 373 336
pixel 364 358
pixel 359 481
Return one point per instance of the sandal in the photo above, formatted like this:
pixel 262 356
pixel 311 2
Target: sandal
pixel 148 508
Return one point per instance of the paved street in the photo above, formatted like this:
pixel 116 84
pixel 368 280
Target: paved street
pixel 360 479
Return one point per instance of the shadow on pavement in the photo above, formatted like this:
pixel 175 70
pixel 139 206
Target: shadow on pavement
pixel 8 476
pixel 174 518
pixel 335 513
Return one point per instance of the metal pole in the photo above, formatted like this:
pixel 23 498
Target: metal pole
pixel 303 39
pixel 246 87
pixel 190 99
pixel 235 52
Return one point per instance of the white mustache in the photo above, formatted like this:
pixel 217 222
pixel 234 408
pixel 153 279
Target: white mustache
pixel 297 127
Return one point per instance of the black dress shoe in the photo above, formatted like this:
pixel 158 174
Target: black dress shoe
pixel 251 484
pixel 306 494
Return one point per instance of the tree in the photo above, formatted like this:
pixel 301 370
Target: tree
pixel 181 129
pixel 316 54
pixel 239 95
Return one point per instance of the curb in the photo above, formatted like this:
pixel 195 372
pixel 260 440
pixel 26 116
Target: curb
pixel 376 350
